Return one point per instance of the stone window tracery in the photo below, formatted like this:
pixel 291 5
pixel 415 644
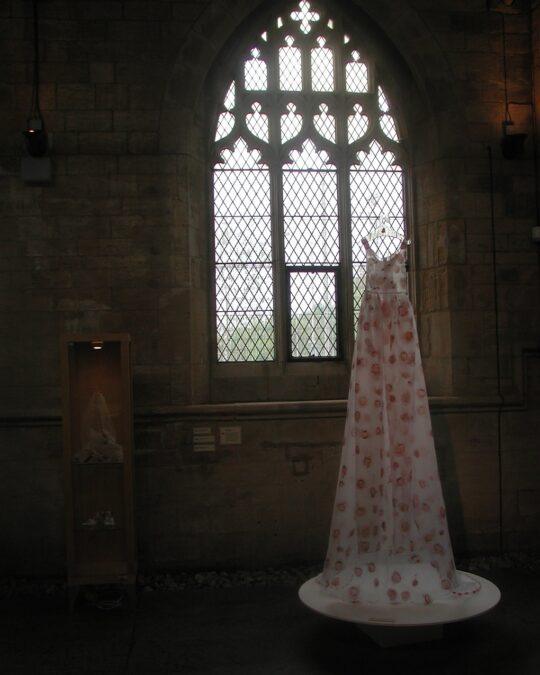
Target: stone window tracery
pixel 306 161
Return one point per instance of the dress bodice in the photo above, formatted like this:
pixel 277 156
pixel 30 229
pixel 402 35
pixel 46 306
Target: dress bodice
pixel 389 542
pixel 388 275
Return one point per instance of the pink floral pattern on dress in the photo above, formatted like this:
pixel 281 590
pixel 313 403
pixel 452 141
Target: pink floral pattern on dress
pixel 389 540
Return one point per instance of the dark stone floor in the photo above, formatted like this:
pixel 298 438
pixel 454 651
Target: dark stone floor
pixel 248 630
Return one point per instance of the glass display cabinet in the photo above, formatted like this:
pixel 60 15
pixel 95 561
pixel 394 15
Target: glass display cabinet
pixel 98 462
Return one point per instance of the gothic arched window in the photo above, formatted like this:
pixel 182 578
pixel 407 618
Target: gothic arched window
pixel 306 162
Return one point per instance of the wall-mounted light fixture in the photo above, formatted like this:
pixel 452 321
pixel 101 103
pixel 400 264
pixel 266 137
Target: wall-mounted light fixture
pixel 37 142
pixel 506 6
pixel 97 344
pixel 512 144
pixel 36 168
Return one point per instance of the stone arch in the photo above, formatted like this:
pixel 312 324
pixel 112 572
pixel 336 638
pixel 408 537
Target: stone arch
pixel 420 83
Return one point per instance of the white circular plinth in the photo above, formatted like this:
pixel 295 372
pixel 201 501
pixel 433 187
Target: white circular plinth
pixel 313 596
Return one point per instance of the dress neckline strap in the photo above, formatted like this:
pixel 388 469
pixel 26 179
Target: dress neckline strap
pixel 402 248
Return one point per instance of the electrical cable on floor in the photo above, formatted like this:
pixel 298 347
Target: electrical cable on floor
pixel 131 645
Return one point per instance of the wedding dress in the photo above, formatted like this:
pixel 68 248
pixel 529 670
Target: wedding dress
pixel 389 540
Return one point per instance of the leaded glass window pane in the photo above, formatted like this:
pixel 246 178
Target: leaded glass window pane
pixel 230 96
pixel 356 74
pixel 290 67
pixel 243 239
pixel 325 123
pixel 357 124
pixel 313 314
pixel 322 67
pixel 255 73
pixel 243 257
pixel 298 179
pixel 381 98
pixel 291 123
pixel 245 337
pixel 244 312
pixel 359 285
pixel 376 198
pixel 386 120
pixel 225 125
pixel 310 209
pixel 257 122
pixel 388 127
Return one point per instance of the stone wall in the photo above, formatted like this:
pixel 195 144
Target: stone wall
pixel 118 242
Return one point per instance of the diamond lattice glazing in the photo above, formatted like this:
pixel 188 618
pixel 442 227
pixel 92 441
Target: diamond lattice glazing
pixel 243 254
pixel 244 311
pixel 356 75
pixel 240 157
pixel 230 97
pixel 245 337
pixel 241 193
pixel 310 210
pixel 376 193
pixel 243 289
pixel 359 286
pixel 325 124
pixel 377 159
pixel 242 239
pixel 313 318
pixel 255 73
pixel 360 228
pixel 285 219
pixel 311 241
pixel 309 158
pixel 257 122
pixel 291 123
pixel 225 125
pixel 357 124
pixel 290 67
pixel 322 67
pixel 382 100
pixel 388 127
pixel 309 193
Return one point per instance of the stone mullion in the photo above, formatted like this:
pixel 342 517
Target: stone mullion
pixel 274 101
pixel 344 205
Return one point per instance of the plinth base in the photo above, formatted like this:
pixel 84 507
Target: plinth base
pixel 391 625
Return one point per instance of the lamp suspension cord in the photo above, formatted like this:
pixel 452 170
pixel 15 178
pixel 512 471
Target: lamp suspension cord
pixel 35 110
pixel 507 118
pixel 532 9
pixel 497 350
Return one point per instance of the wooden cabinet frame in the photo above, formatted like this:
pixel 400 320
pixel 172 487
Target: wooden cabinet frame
pixel 98 462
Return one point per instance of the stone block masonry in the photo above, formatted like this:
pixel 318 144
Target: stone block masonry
pixel 120 242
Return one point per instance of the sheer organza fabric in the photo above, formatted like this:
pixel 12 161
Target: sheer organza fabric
pixel 389 540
